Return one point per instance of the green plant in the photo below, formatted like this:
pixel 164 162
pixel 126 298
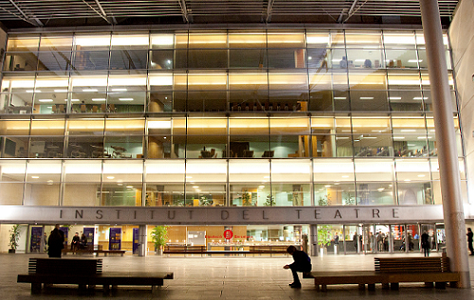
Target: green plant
pixel 246 200
pixel 348 199
pixel 324 200
pixel 205 202
pixel 324 235
pixel 159 236
pixel 270 201
pixel 14 237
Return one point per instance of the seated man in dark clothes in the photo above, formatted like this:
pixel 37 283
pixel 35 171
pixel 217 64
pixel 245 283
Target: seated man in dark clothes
pixel 302 263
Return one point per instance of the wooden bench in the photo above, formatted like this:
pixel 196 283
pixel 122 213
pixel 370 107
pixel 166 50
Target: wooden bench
pixel 391 272
pixel 93 251
pixel 87 273
pixel 323 279
pixel 416 269
pixel 184 249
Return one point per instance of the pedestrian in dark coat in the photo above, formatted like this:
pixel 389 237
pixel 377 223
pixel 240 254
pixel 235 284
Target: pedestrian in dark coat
pixel 55 242
pixel 302 263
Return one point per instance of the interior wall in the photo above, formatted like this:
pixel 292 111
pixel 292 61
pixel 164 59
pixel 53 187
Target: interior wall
pixel 462 42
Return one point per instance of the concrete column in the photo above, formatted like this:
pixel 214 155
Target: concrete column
pixel 446 142
pixel 142 240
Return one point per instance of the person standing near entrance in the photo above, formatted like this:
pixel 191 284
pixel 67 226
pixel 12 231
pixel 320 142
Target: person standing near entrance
pixel 75 242
pixel 302 263
pixel 425 243
pixel 469 240
pixel 55 242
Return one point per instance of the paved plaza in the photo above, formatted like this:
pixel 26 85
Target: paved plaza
pixel 225 278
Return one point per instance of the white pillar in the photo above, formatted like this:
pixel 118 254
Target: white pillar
pixel 446 142
pixel 142 240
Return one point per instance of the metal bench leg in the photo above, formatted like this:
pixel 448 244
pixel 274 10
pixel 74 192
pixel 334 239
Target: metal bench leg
pixel 35 288
pixel 361 286
pixel 440 285
pixel 106 289
pixel 394 286
pixel 385 286
pixel 371 286
pixel 324 287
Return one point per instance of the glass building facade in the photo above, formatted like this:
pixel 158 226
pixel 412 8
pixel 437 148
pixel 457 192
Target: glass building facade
pixel 220 118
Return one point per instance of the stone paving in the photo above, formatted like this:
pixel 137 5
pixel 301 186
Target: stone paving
pixel 227 278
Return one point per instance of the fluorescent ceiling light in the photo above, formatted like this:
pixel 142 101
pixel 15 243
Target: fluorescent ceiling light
pixel 45 100
pixel 60 91
pixel 129 40
pixel 339 98
pixel 110 177
pixel 421 175
pixel 342 137
pixel 125 99
pixel 160 125
pixel 35 177
pixel 317 40
pixel 395 98
pixel 164 40
pixel 398 137
pixel 414 60
pixel 420 98
pixel 119 90
pixel 366 98
pixel 408 130
pixel 98 99
pixel 33 91
pixel 74 100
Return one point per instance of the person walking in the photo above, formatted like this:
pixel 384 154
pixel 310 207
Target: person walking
pixel 469 240
pixel 425 243
pixel 75 242
pixel 302 263
pixel 55 242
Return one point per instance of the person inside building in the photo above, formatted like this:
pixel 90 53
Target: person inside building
pixel 469 240
pixel 302 263
pixel 75 242
pixel 425 243
pixel 83 241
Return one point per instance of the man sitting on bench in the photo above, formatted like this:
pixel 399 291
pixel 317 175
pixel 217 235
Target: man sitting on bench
pixel 302 263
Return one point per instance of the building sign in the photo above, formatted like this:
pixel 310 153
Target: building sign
pixel 228 234
pixel 220 215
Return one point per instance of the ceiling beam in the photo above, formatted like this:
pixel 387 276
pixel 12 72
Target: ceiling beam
pixel 114 21
pixel 98 12
pixel 25 17
pixel 268 16
pixel 187 18
pixel 353 9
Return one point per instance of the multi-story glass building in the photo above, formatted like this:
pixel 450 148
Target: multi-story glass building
pixel 274 133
